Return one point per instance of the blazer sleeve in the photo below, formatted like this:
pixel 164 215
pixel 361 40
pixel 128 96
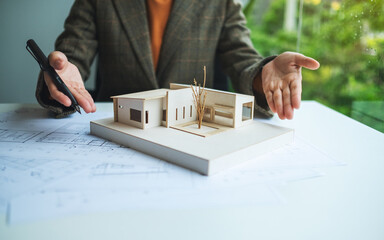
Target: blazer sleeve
pixel 239 58
pixel 79 43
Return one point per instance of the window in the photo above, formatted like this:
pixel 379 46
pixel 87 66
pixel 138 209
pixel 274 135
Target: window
pixel 247 111
pixel 135 115
pixel 223 111
pixel 164 115
pixel 209 113
pixel 146 117
pixel 190 111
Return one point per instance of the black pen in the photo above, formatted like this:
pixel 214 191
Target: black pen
pixel 43 62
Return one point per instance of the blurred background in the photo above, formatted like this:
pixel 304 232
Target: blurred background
pixel 345 36
pixel 20 20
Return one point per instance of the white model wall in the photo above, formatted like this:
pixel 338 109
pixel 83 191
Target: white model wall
pixel 214 97
pixel 155 112
pixel 227 100
pixel 123 111
pixel 240 100
pixel 177 101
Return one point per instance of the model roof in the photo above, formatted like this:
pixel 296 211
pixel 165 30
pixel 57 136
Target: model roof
pixel 177 86
pixel 150 94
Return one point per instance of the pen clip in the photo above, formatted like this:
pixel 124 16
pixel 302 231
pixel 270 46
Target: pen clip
pixel 33 55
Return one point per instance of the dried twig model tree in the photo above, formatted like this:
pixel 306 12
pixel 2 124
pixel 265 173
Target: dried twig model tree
pixel 199 96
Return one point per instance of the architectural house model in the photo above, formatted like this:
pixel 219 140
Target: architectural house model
pixel 175 108
pixel 163 123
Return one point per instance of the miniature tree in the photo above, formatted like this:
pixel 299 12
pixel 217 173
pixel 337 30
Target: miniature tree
pixel 199 96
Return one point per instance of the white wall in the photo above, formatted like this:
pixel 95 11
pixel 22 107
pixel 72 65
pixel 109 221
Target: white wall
pixel 225 99
pixel 124 111
pixel 155 112
pixel 214 97
pixel 240 100
pixel 178 99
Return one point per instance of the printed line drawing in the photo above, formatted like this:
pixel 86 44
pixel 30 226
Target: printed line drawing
pixel 20 136
pixel 105 169
pixel 75 133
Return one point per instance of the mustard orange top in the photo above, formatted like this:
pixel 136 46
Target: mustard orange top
pixel 158 14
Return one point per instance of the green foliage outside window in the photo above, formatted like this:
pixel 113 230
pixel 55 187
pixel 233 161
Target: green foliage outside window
pixel 346 37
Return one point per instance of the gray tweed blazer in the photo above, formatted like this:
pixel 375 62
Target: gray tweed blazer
pixel 117 31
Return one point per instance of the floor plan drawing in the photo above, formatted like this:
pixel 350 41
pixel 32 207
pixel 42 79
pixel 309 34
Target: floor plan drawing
pixel 20 136
pixel 55 168
pixel 74 133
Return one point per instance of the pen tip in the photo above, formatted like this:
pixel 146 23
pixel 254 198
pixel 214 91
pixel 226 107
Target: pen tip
pixel 77 109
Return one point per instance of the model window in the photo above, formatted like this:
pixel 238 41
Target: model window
pixel 164 114
pixel 247 111
pixel 135 115
pixel 190 111
pixel 223 111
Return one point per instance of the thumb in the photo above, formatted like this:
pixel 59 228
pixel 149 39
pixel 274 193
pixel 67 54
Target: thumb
pixel 58 60
pixel 306 62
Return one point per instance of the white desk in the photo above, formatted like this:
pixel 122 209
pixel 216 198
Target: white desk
pixel 347 203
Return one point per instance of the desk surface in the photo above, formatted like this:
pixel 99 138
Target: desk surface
pixel 347 203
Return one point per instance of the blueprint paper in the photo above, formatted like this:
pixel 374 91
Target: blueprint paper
pixel 48 205
pixel 52 168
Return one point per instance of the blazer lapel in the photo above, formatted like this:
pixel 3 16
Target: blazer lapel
pixel 183 14
pixel 133 16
